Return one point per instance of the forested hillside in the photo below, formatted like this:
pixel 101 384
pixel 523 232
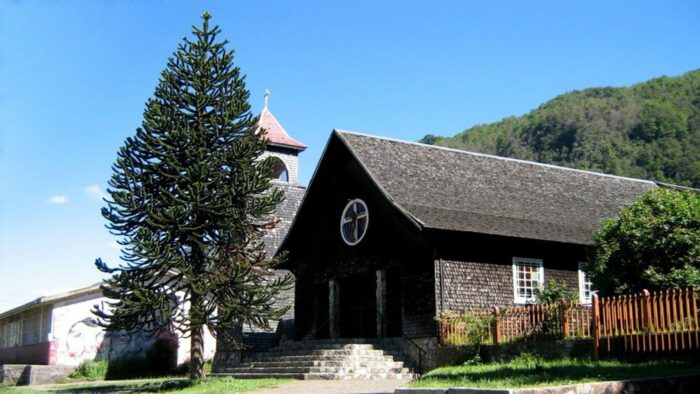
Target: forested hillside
pixel 650 130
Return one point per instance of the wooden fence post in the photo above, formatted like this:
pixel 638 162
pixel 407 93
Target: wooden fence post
pixel 647 328
pixel 564 319
pixel 596 325
pixel 442 329
pixel 495 329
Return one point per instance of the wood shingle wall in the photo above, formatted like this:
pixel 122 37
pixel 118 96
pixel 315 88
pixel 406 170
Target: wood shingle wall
pixel 465 285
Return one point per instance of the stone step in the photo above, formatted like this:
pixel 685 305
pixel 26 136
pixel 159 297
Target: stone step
pixel 388 363
pixel 318 353
pixel 314 376
pixel 337 341
pixel 319 358
pixel 347 370
pixel 327 346
pixel 277 352
pixel 323 359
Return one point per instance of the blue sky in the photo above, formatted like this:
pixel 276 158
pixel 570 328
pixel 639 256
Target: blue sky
pixel 74 77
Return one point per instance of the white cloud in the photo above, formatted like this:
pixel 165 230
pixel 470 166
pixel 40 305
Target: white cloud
pixel 114 245
pixel 95 191
pixel 57 199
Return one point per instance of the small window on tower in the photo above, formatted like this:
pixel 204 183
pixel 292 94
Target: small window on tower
pixel 280 172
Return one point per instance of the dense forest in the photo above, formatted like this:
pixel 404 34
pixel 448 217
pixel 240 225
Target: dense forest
pixel 650 130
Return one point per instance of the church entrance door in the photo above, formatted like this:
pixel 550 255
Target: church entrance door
pixel 358 306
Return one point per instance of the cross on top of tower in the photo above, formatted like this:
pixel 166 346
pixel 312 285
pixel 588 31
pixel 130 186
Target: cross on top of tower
pixel 275 132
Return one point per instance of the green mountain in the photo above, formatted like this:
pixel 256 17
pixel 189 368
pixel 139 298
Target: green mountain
pixel 650 130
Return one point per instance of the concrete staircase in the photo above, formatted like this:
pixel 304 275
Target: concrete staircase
pixel 322 359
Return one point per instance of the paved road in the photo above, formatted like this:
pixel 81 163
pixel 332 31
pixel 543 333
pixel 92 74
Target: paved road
pixel 336 387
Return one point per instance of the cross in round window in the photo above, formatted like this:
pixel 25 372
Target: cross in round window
pixel 353 223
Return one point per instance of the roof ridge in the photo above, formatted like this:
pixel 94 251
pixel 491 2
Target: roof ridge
pixel 466 152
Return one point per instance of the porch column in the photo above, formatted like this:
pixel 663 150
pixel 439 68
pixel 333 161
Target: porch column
pixel 381 303
pixel 334 308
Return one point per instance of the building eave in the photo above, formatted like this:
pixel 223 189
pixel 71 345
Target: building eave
pixel 52 299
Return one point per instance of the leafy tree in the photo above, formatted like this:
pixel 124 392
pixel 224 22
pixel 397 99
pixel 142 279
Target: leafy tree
pixel 654 244
pixel 429 139
pixel 191 201
pixel 649 130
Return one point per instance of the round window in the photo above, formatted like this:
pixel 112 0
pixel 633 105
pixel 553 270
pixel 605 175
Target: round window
pixel 353 223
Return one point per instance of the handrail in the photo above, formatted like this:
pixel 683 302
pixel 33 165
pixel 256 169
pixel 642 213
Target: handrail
pixel 421 351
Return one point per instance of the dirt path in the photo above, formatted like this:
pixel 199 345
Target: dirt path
pixel 336 387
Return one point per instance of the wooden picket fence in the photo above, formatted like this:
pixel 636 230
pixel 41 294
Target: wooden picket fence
pixel 553 321
pixel 664 321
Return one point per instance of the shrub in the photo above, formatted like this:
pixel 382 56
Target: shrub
pixel 91 370
pixel 474 330
pixel 526 359
pixel 653 245
pixel 554 292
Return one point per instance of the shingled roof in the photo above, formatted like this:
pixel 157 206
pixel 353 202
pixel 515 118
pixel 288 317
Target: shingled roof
pixel 448 189
pixel 276 134
pixel 286 211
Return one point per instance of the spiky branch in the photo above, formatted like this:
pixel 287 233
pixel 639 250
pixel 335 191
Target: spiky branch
pixel 191 201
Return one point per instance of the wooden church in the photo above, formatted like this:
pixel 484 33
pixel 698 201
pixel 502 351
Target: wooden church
pixel 391 233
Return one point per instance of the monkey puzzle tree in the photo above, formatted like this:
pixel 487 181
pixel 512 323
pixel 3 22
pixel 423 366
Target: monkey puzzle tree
pixel 191 200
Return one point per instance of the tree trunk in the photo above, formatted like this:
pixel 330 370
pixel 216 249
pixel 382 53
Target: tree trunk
pixel 196 339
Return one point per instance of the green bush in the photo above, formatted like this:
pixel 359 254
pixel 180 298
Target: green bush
pixel 474 331
pixel 653 245
pixel 526 359
pixel 91 370
pixel 554 292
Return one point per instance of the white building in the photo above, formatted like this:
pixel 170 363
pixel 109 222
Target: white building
pixel 61 330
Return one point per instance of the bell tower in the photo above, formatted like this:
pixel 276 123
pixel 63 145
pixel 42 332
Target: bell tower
pixel 281 146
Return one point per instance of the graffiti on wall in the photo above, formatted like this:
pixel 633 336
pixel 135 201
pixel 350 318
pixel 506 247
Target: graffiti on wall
pixel 84 338
pixel 83 341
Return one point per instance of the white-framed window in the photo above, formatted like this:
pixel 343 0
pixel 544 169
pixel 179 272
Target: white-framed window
pixel 528 274
pixel 354 221
pixel 585 287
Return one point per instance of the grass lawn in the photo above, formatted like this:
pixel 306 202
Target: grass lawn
pixel 160 385
pixel 532 373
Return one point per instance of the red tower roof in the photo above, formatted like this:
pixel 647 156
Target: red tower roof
pixel 276 133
